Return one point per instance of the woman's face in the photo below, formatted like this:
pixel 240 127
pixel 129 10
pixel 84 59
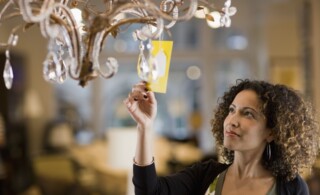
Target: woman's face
pixel 245 126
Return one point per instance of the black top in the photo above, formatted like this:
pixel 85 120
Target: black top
pixel 196 179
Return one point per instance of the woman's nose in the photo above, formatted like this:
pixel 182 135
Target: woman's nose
pixel 234 120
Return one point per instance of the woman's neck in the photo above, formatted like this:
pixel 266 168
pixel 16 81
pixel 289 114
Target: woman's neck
pixel 248 166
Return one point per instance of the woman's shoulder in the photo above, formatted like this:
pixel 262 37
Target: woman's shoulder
pixel 295 186
pixel 210 165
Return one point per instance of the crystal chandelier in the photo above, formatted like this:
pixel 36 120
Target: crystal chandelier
pixel 73 50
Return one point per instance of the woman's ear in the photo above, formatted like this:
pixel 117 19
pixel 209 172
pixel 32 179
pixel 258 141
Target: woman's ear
pixel 270 135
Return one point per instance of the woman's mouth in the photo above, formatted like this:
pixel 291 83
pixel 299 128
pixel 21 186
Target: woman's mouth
pixel 231 134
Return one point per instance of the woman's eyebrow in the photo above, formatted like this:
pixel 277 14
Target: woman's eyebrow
pixel 232 105
pixel 247 108
pixel 258 113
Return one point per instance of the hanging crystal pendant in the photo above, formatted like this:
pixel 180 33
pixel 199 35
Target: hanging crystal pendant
pixel 13 39
pixel 8 74
pixel 63 72
pixel 50 68
pixel 153 64
pixel 143 67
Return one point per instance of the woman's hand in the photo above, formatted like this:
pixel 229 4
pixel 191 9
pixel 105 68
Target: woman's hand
pixel 142 105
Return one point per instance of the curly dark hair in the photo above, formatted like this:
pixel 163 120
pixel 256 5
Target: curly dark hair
pixel 291 120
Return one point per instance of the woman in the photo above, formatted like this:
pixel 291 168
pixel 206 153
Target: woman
pixel 265 134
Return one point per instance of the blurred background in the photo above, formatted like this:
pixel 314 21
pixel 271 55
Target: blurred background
pixel 65 139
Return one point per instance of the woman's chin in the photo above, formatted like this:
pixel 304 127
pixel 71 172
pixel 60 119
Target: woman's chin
pixel 228 145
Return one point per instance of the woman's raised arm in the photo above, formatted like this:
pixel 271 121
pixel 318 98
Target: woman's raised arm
pixel 142 106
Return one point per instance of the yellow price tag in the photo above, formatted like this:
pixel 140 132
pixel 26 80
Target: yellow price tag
pixel 162 53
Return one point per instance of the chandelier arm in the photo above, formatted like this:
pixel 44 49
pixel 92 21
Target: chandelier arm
pixel 155 12
pixel 6 6
pixel 3 45
pixel 132 12
pixel 58 25
pixel 109 7
pixel 112 68
pixel 70 73
pixel 75 37
pixel 10 41
pixel 142 11
pixel 175 14
pixel 207 4
pixel 96 44
pixel 11 15
pixel 46 29
pixel 74 42
pixel 70 44
pixel 27 14
pixel 64 2
pixel 146 20
pixel 190 12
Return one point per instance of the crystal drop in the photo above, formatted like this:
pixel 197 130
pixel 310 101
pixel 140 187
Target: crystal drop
pixel 141 47
pixel 8 74
pixel 143 68
pixel 63 72
pixel 71 63
pixel 61 79
pixel 49 68
pixel 7 54
pixel 15 40
pixel 147 30
pixel 141 34
pixel 51 45
pixel 149 46
pixel 227 3
pixel 59 41
pixel 61 52
pixel 135 36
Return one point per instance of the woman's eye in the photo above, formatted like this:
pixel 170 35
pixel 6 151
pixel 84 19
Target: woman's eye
pixel 231 110
pixel 248 114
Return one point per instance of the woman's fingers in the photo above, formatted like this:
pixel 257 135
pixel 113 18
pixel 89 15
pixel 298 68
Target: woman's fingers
pixel 151 97
pixel 139 92
pixel 141 104
pixel 131 105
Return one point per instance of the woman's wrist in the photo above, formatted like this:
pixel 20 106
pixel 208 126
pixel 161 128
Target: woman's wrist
pixel 143 165
pixel 145 127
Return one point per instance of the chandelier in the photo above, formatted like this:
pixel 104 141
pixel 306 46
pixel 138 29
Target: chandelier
pixel 73 48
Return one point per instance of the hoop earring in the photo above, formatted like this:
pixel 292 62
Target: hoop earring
pixel 268 148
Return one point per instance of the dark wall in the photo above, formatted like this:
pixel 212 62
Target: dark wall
pixel 14 153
